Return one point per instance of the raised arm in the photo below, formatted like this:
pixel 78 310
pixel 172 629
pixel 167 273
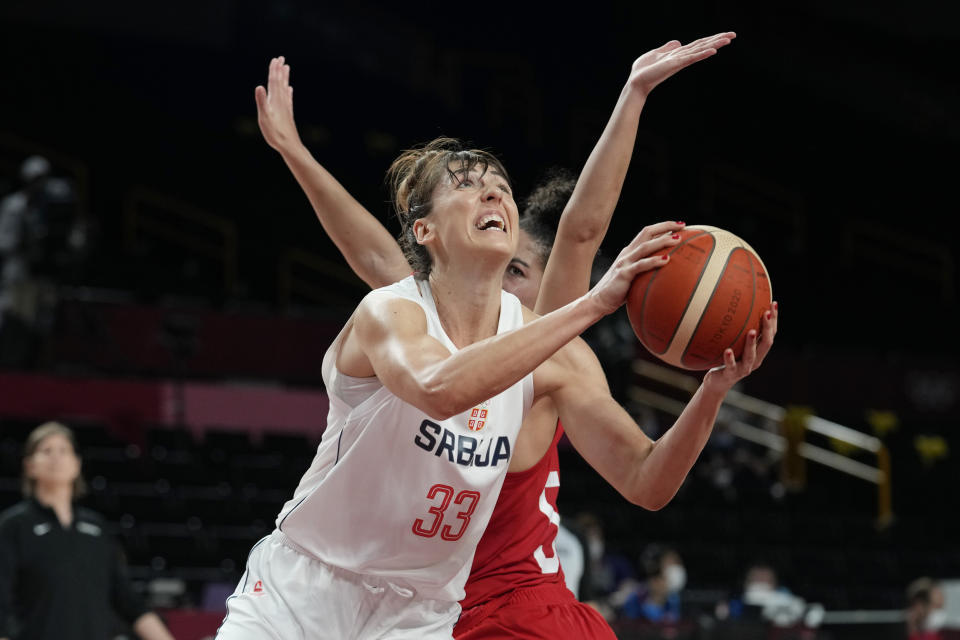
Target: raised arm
pixel 368 247
pixel 387 337
pixel 645 472
pixel 586 217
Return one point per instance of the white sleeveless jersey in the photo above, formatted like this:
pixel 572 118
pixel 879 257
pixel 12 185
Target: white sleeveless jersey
pixel 396 494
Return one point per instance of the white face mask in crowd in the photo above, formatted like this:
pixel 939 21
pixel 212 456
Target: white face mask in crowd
pixel 937 619
pixel 758 588
pixel 676 577
pixel 595 548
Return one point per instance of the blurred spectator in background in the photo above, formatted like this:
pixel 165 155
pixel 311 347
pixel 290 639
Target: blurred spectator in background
pixel 657 598
pixel 760 581
pixel 43 238
pixel 764 598
pixel 62 576
pixel 606 572
pixel 573 555
pixel 14 271
pixel 925 609
pixel 739 471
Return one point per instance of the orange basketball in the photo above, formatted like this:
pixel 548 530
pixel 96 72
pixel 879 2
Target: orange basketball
pixel 704 300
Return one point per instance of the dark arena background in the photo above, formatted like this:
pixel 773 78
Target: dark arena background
pixel 175 294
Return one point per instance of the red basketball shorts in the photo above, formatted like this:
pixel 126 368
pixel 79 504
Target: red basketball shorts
pixel 547 612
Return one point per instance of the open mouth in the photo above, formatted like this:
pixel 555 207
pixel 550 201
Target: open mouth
pixel 492 221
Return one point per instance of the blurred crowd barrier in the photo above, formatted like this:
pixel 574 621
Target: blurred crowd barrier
pixel 128 406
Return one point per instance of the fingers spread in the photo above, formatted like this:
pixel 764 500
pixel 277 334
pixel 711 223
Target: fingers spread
pixel 647 248
pixel 642 265
pixel 645 251
pixel 660 228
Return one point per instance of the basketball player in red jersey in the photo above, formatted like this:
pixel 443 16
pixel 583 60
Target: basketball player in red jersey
pixel 516 587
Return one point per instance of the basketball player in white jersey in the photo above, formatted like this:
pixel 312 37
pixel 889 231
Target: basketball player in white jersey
pixel 429 382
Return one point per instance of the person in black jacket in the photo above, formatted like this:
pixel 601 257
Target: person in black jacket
pixel 61 574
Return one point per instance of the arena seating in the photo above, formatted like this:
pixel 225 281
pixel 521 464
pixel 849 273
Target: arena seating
pixel 191 510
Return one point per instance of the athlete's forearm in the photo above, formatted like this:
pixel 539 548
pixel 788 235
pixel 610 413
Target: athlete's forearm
pixel 368 247
pixel 587 215
pixel 486 368
pixel 664 468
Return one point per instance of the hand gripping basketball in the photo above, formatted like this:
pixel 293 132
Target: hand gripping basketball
pixel 611 291
pixel 723 378
pixel 714 289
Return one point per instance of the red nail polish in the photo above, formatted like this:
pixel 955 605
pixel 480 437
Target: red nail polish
pixel 676 236
pixel 775 305
pixel 681 222
pixel 664 257
pixel 768 315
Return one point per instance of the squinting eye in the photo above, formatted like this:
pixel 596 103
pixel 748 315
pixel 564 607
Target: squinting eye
pixel 465 183
pixel 514 271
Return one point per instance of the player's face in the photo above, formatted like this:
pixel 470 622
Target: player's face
pixel 473 214
pixel 54 462
pixel 525 271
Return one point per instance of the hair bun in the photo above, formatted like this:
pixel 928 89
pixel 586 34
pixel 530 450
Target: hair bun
pixel 549 198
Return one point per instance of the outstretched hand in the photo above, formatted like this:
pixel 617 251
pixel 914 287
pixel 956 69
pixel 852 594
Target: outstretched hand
pixel 723 378
pixel 636 257
pixel 657 65
pixel 275 107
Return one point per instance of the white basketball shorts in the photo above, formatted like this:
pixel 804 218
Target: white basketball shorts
pixel 286 595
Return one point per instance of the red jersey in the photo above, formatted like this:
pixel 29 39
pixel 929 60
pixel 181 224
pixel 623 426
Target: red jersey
pixel 517 549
